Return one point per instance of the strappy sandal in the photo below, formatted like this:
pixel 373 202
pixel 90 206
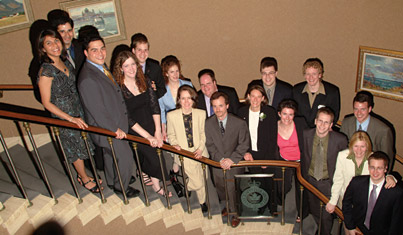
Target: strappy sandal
pixel 147 180
pixel 162 193
pixel 94 189
pixel 80 181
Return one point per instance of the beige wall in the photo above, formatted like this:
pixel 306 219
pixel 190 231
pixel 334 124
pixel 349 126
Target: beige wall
pixel 231 36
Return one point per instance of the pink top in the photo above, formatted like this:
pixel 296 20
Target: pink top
pixel 289 149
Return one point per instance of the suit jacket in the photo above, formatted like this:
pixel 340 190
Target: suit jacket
pixel 167 102
pixel 232 96
pixel 176 130
pixel 267 133
pixel 387 215
pixel 379 133
pixel 235 142
pixel 79 56
pixel 154 73
pixel 345 171
pixel 337 143
pixel 282 91
pixel 331 100
pixel 102 101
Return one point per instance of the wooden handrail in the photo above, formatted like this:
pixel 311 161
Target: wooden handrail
pixel 13 87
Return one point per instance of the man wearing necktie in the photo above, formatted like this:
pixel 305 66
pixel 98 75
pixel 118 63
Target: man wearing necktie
pixel 105 107
pixel 368 205
pixel 318 163
pixel 227 140
pixel 380 133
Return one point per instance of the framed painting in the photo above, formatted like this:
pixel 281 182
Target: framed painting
pixel 105 15
pixel 15 15
pixel 380 72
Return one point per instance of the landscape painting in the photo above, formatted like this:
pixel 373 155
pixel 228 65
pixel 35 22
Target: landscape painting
pixel 15 15
pixel 380 72
pixel 105 15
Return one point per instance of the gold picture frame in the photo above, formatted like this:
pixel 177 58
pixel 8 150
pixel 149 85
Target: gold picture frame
pixel 105 15
pixel 15 16
pixel 380 72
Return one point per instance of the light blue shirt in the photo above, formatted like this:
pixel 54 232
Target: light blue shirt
pixel 224 122
pixel 208 105
pixel 167 102
pixel 100 67
pixel 364 125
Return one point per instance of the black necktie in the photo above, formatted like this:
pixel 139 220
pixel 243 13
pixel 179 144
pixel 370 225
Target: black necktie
pixel 222 128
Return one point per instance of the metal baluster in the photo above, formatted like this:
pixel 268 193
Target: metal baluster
pixel 301 189
pixel 92 162
pixel 134 144
pixel 159 152
pixel 338 227
pixel 206 188
pixel 17 177
pixel 67 164
pixel 226 196
pixel 320 217
pixel 125 201
pixel 39 161
pixel 282 197
pixel 185 184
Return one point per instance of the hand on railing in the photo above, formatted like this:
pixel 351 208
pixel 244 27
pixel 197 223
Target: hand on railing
pixel 79 122
pixel 248 157
pixel 226 163
pixel 198 154
pixel 153 141
pixel 354 232
pixel 120 134
pixel 330 207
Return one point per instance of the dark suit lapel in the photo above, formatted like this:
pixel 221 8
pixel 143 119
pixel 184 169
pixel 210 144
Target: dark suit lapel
pixel 382 197
pixel 310 145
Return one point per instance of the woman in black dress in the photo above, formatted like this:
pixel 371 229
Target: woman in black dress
pixel 57 85
pixel 144 115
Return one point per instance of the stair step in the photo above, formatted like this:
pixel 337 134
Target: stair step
pixel 213 225
pixel 133 210
pixel 173 216
pixel 112 209
pixel 66 209
pixel 41 210
pixel 192 221
pixel 154 212
pixel 89 208
pixel 14 215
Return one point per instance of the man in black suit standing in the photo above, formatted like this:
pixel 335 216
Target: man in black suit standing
pixel 208 85
pixel 276 90
pixel 368 205
pixel 318 162
pixel 105 107
pixel 315 93
pixel 151 68
pixel 227 140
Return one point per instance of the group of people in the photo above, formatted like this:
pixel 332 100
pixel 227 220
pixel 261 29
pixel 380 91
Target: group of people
pixel 278 122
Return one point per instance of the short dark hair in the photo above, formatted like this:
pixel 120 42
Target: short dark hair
pixel 326 110
pixel 138 38
pixel 268 62
pixel 209 72
pixel 87 31
pixel 93 38
pixel 364 96
pixel 58 17
pixel 43 57
pixel 217 95
pixel 192 92
pixel 258 88
pixel 288 103
pixel 379 155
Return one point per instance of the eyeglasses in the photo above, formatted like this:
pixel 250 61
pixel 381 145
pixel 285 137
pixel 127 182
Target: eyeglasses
pixel 371 168
pixel 268 74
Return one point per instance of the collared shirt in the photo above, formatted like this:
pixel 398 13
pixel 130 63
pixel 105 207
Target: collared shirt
pixel 358 169
pixel 208 105
pixel 253 128
pixel 312 96
pixel 100 67
pixel 272 90
pixel 378 188
pixel 224 122
pixel 364 125
pixel 143 67
pixel 71 51
pixel 316 141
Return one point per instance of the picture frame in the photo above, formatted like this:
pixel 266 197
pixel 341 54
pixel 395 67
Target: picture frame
pixel 105 15
pixel 15 16
pixel 380 72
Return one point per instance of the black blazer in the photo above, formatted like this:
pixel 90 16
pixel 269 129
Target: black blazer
pixel 154 73
pixel 79 56
pixel 282 91
pixel 300 125
pixel 387 214
pixel 331 100
pixel 267 133
pixel 232 96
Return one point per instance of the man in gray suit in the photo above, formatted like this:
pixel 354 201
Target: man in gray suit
pixel 227 140
pixel 380 133
pixel 318 162
pixel 104 107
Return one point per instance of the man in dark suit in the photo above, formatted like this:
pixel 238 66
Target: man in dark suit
pixel 208 85
pixel 227 140
pixel 104 107
pixel 151 68
pixel 380 133
pixel 315 93
pixel 368 205
pixel 276 90
pixel 318 162
pixel 61 21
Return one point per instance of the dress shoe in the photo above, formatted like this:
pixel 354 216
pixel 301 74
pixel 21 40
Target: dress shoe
pixel 204 207
pixel 235 222
pixel 224 212
pixel 132 180
pixel 130 192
